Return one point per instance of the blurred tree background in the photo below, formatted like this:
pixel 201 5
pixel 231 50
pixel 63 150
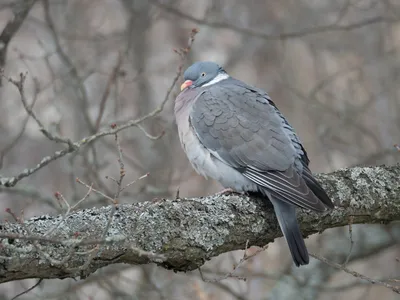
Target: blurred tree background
pixel 331 66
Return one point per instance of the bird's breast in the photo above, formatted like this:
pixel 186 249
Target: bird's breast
pixel 199 157
pixel 207 164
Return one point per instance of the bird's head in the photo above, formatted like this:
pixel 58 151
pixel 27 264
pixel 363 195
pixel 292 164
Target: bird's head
pixel 203 73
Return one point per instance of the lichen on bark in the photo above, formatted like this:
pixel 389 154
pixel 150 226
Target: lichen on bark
pixel 186 232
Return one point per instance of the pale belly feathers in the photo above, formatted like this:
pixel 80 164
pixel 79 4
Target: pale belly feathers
pixel 208 165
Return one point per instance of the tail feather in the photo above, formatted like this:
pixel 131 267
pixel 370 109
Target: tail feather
pixel 316 188
pixel 286 215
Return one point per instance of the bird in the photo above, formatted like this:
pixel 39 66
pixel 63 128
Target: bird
pixel 234 133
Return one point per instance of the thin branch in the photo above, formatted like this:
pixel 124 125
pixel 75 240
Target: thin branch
pixel 20 10
pixel 356 274
pixel 236 266
pixel 148 135
pixel 18 137
pixel 134 181
pixel 90 187
pixel 97 251
pixel 334 27
pixel 61 198
pixel 73 147
pixel 20 84
pixel 78 81
pixel 122 171
pixel 111 80
pixel 351 219
pixel 28 290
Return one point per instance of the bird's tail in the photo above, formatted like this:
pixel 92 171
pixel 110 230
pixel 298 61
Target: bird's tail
pixel 286 215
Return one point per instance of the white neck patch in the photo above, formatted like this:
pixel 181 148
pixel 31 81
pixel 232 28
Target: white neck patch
pixel 217 79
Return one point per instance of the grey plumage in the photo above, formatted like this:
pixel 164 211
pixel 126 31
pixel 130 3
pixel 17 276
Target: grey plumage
pixel 235 134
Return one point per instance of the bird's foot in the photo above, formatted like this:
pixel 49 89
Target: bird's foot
pixel 227 192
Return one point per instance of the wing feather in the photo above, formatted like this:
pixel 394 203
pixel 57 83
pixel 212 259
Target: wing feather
pixel 242 127
pixel 289 186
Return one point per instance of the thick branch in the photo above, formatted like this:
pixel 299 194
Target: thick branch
pixel 182 234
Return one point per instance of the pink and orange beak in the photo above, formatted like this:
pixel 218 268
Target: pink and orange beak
pixel 186 84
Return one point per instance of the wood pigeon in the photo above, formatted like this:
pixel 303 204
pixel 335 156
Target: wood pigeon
pixel 234 133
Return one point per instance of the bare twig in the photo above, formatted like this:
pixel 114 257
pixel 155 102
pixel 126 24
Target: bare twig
pixel 73 147
pixel 134 181
pixel 90 187
pixel 111 80
pixel 351 220
pixel 334 27
pixel 28 290
pixel 29 109
pixel 78 81
pixel 148 135
pixel 97 250
pixel 15 141
pixel 61 198
pixel 20 12
pixel 235 267
pixel 356 274
pixel 122 171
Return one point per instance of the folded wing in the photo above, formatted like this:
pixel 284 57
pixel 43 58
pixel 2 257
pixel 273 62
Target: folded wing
pixel 240 126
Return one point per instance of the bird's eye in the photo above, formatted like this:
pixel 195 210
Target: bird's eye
pixel 203 74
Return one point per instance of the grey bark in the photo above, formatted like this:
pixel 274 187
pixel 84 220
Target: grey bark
pixel 182 234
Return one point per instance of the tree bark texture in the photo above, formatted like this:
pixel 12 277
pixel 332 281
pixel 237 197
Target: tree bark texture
pixel 181 234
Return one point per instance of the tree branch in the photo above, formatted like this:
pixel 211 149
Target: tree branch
pixel 20 10
pixel 333 27
pixel 182 234
pixel 74 147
